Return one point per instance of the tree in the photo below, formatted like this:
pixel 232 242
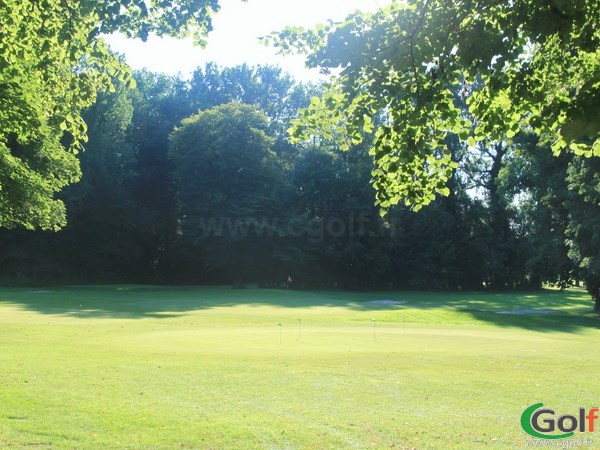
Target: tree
pixel 267 87
pixel 100 242
pixel 160 103
pixel 53 62
pixel 539 183
pixel 230 191
pixel 102 201
pixel 522 65
pixel 342 239
pixel 583 179
pixel 275 93
pixel 487 168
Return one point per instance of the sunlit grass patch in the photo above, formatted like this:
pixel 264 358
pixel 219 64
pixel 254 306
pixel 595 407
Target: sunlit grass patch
pixel 153 367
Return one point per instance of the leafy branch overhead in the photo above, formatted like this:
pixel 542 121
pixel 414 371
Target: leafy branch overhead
pixel 53 62
pixel 526 65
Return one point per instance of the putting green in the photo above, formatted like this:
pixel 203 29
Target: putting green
pixel 153 367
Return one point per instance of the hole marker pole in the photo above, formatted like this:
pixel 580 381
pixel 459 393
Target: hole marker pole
pixel 280 331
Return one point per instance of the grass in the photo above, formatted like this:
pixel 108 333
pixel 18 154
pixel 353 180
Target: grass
pixel 135 367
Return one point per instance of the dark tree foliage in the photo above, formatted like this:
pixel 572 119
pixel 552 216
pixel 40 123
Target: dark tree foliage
pixel 230 187
pixel 523 65
pixel 344 240
pixel 275 93
pixel 583 203
pixel 53 63
pixel 540 180
pixel 101 241
pixel 232 201
pixel 160 103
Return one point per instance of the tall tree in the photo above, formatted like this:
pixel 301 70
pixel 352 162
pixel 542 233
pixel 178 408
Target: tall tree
pixel 342 238
pixel 53 62
pixel 538 181
pixel 537 62
pixel 100 242
pixel 160 103
pixel 230 188
pixel 486 168
pixel 277 94
pixel 584 216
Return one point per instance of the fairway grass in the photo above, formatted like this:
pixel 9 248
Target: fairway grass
pixel 141 367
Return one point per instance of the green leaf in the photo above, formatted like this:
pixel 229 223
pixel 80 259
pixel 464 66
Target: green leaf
pixel 443 191
pixel 596 148
pixel 463 135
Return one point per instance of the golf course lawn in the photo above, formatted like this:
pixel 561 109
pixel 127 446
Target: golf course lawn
pixel 115 367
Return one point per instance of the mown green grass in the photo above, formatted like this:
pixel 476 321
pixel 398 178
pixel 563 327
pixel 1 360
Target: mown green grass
pixel 151 367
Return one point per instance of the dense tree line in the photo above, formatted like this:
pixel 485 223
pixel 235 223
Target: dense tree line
pixel 194 181
pixel 53 63
pixel 521 66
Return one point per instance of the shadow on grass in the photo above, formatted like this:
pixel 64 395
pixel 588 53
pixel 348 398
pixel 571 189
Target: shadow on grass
pixel 560 321
pixel 548 310
pixel 138 302
pixel 544 310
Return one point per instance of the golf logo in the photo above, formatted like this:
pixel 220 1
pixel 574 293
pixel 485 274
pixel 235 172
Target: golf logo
pixel 542 423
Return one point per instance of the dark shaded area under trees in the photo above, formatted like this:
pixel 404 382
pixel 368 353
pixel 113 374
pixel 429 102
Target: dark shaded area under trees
pixel 223 197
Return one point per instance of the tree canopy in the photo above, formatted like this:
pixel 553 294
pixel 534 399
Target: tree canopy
pixel 171 195
pixel 53 62
pixel 531 65
pixel 229 183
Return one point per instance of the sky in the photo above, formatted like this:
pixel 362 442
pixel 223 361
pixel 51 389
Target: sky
pixel 234 39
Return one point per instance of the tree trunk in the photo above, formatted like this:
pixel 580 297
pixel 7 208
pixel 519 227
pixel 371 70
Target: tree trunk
pixel 499 224
pixel 593 287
